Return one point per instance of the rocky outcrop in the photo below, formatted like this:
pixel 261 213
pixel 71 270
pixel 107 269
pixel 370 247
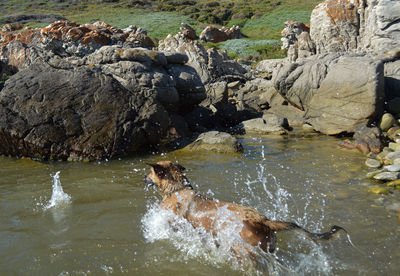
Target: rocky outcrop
pixel 75 114
pixel 216 35
pixel 109 103
pixel 64 38
pixel 371 26
pixel 333 92
pixel 296 40
pixel 211 65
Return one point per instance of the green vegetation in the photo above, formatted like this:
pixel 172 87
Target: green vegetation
pixel 259 20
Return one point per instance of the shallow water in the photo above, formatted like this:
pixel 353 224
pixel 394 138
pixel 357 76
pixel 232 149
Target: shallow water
pixel 112 225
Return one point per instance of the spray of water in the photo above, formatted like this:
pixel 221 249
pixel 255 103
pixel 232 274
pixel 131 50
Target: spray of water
pixel 297 255
pixel 58 197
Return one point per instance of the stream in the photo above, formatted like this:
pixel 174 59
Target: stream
pixel 65 218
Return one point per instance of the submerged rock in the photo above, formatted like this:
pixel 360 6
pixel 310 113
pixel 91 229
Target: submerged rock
pixel 268 124
pixel 378 190
pixel 387 176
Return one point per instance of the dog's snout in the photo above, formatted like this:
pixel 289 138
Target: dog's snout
pixel 147 180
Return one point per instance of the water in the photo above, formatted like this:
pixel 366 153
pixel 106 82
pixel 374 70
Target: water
pixel 110 222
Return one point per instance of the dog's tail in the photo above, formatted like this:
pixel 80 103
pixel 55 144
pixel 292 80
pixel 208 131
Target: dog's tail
pixel 282 225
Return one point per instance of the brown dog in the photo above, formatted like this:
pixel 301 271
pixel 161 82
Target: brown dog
pixel 255 229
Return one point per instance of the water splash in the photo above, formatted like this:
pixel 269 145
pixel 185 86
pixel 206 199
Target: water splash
pixel 58 197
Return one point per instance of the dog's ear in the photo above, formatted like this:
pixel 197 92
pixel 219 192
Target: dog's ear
pixel 158 169
pixel 180 168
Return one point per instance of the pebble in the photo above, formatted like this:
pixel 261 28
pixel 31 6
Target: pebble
pixel 387 176
pixel 394 146
pixel 373 163
pixel 378 191
pixel 392 156
pixel 396 161
pixel 372 174
pixel 392 168
pixel 387 121
pixel 394 184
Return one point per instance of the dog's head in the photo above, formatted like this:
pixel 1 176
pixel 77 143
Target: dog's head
pixel 168 177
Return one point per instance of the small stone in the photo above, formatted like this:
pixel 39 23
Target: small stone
pixel 372 174
pixel 387 176
pixel 396 161
pixel 387 121
pixel 394 184
pixel 392 168
pixel 373 163
pixel 233 84
pixel 394 207
pixel 394 146
pixel 378 191
pixel 390 157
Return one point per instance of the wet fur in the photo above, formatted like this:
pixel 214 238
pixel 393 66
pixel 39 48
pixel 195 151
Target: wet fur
pixel 180 197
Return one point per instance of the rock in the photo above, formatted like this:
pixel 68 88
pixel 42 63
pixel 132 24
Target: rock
pixel 394 184
pixel 200 119
pixel 215 35
pixel 215 141
pixel 387 121
pixel 178 127
pixel 188 32
pixel 297 41
pixel 394 105
pixel 324 88
pixel 392 85
pixel 394 146
pixel 295 116
pixel 64 38
pixel 217 94
pixel 372 174
pixel 378 191
pixel 211 65
pixel 176 58
pixel 393 133
pixel 387 176
pixel 390 157
pixel 392 168
pixel 396 161
pixel 366 26
pixel 265 68
pixel 334 26
pixel 268 124
pixel 373 163
pixel 51 113
pixel 365 139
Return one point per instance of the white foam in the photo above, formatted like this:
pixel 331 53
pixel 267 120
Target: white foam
pixel 58 197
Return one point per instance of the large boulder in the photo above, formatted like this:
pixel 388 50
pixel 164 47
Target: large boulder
pixel 211 65
pixel 335 94
pixel 216 35
pixel 75 114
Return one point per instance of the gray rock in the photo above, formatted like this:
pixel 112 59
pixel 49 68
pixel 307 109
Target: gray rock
pixel 392 168
pixel 176 58
pixel 216 141
pixel 217 94
pixel 75 114
pixel 373 163
pixel 373 173
pixel 336 107
pixel 211 65
pixel 387 176
pixel 268 124
pixel 392 156
pixel 387 121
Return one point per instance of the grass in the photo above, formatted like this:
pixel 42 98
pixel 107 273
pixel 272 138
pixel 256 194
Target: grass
pixel 260 49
